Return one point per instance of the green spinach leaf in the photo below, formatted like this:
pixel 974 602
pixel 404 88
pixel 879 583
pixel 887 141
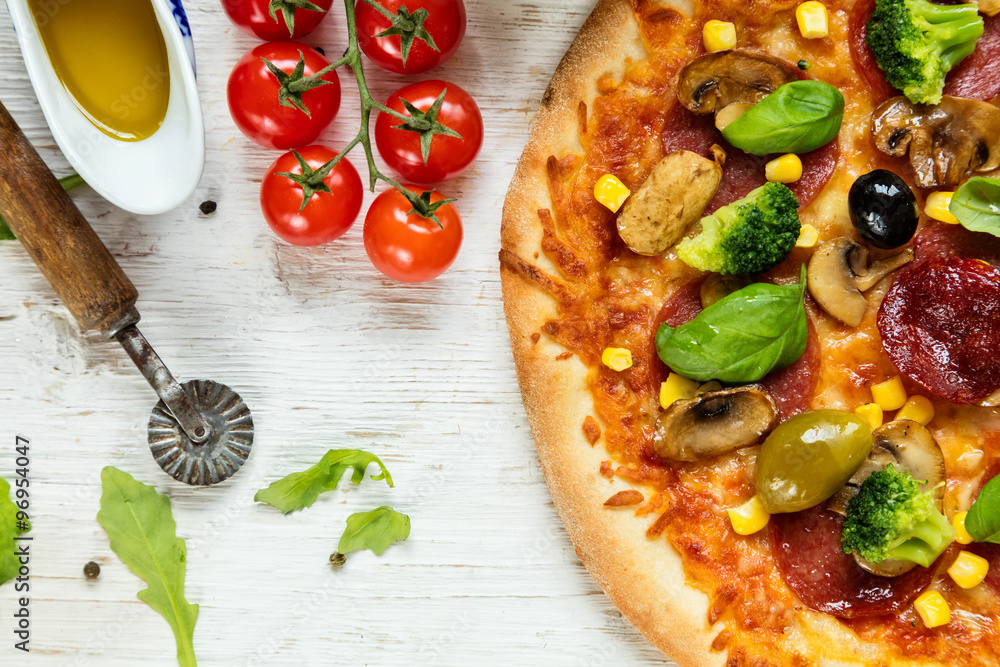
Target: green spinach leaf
pixel 983 520
pixel 376 530
pixel 301 489
pixel 9 564
pixel 798 117
pixel 740 338
pixel 142 531
pixel 977 205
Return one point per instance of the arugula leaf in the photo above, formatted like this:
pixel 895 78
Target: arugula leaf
pixel 740 338
pixel 376 530
pixel 8 531
pixel 301 489
pixel 977 205
pixel 142 531
pixel 983 519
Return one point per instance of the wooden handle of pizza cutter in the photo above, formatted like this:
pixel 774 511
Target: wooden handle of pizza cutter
pixel 60 240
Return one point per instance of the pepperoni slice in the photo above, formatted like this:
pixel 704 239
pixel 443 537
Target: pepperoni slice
pixel 793 386
pixel 862 53
pixel 978 76
pixel 743 172
pixel 940 325
pixel 813 564
pixel 944 240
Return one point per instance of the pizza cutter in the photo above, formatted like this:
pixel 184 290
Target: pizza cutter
pixel 201 431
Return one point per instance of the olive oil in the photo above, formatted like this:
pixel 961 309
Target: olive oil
pixel 111 57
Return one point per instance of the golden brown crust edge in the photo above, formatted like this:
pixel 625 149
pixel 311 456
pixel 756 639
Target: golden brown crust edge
pixel 645 584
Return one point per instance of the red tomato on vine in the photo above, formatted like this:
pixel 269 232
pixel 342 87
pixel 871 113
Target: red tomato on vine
pixel 306 200
pixel 410 36
pixel 280 96
pixel 406 246
pixel 442 137
pixel 273 20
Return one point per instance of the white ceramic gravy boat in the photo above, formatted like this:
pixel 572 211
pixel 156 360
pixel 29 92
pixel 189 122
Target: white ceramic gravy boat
pixel 146 177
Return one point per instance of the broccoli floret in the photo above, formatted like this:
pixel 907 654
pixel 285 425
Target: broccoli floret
pixel 916 43
pixel 891 518
pixel 747 237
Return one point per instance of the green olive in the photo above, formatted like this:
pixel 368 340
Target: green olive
pixel 806 459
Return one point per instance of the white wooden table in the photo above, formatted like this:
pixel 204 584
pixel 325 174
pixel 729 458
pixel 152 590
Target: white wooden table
pixel 328 354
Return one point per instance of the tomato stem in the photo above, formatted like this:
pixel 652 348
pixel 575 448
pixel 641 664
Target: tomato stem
pixel 422 205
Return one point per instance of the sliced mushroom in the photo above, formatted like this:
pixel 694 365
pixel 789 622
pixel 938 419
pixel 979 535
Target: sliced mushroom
pixel 839 272
pixel 673 196
pixel 714 423
pixel 947 141
pixel 989 7
pixel 907 446
pixel 715 80
pixel 729 113
pixel 718 286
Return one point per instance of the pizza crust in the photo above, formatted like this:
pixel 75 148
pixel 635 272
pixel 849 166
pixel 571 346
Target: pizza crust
pixel 643 577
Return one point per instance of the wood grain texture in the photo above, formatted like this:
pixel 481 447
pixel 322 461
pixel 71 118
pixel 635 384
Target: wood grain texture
pixel 327 354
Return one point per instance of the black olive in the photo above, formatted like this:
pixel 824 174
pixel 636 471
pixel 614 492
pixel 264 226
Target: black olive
pixel 883 209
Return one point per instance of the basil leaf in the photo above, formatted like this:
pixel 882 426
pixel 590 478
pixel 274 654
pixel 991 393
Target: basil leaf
pixel 9 529
pixel 977 205
pixel 5 233
pixel 376 530
pixel 740 338
pixel 301 489
pixel 143 534
pixel 798 117
pixel 983 519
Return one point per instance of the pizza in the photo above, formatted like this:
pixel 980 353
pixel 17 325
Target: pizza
pixel 871 300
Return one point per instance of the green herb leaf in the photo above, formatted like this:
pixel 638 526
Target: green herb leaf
pixel 142 531
pixel 798 117
pixel 977 205
pixel 301 489
pixel 9 529
pixel 67 182
pixel 376 530
pixel 740 338
pixel 5 233
pixel 983 519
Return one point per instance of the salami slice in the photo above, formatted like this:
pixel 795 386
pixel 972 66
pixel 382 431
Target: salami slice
pixel 862 54
pixel 813 564
pixel 743 172
pixel 792 387
pixel 940 325
pixel 978 76
pixel 943 240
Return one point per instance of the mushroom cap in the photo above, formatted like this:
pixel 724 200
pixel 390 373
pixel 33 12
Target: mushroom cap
pixel 947 141
pixel 832 270
pixel 714 423
pixel 839 272
pixel 909 446
pixel 715 80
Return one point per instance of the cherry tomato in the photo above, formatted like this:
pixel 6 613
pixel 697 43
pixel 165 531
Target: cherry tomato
pixel 254 18
pixel 253 95
pixel 445 23
pixel 448 156
pixel 409 247
pixel 326 215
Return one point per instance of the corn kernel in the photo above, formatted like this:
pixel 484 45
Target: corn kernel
pixel 918 409
pixel 933 609
pixel 871 413
pixel 889 395
pixel 675 388
pixel 812 19
pixel 611 192
pixel 961 534
pixel 937 205
pixel 784 169
pixel 749 517
pixel 617 358
pixel 808 237
pixel 968 570
pixel 718 36
pixel 711 385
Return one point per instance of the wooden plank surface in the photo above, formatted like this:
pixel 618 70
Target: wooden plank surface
pixel 328 354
